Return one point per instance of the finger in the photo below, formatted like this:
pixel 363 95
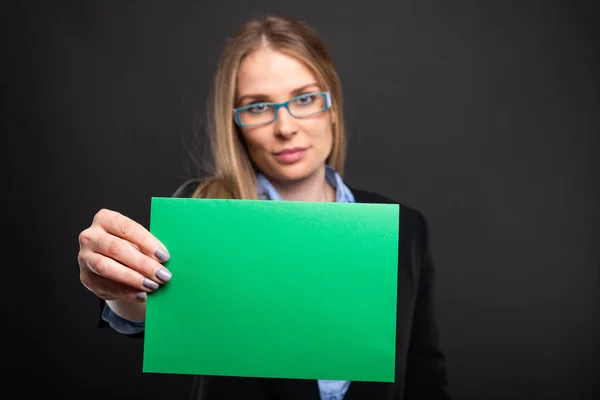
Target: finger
pixel 114 271
pixel 111 290
pixel 124 227
pixel 129 255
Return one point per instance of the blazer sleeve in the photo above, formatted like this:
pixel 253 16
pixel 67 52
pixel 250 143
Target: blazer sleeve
pixel 426 366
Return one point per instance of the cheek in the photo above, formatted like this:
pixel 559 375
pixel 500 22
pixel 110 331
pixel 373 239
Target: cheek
pixel 257 141
pixel 321 133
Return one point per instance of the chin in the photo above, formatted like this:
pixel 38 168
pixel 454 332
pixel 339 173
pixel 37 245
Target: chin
pixel 294 172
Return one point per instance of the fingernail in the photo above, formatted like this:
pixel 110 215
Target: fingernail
pixel 162 255
pixel 150 284
pixel 141 296
pixel 163 274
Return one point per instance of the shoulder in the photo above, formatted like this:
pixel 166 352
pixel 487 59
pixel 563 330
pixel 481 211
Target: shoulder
pixel 187 188
pixel 411 219
pixel 211 187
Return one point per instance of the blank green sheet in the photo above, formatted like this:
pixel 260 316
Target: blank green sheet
pixel 275 289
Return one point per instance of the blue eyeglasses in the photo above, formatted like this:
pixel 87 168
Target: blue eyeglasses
pixel 301 106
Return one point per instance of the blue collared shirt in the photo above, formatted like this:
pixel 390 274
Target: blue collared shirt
pixel 329 390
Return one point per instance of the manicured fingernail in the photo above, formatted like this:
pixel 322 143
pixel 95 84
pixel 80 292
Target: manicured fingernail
pixel 141 296
pixel 150 284
pixel 163 274
pixel 162 255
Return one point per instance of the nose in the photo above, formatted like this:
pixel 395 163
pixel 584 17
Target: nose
pixel 285 124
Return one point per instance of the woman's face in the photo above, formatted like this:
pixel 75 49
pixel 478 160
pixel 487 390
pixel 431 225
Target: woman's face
pixel 288 149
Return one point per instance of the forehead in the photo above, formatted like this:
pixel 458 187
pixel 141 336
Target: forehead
pixel 266 71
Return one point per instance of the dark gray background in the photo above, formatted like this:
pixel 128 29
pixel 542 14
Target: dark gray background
pixel 483 115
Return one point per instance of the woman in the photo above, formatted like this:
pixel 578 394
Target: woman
pixel 278 135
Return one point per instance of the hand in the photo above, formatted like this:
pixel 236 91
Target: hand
pixel 119 259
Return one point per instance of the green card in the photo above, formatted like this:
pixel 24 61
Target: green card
pixel 275 289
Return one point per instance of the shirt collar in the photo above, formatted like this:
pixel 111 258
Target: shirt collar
pixel 343 194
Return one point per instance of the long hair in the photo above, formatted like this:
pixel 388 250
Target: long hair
pixel 234 174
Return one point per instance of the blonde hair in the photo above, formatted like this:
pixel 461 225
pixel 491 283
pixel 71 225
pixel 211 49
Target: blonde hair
pixel 234 174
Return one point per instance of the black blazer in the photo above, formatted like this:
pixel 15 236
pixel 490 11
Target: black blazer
pixel 420 363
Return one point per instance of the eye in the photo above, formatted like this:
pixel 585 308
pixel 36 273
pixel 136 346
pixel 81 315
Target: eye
pixel 306 99
pixel 258 108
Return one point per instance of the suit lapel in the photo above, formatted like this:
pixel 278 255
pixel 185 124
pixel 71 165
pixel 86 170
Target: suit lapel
pixel 406 297
pixel 294 389
pixel 308 389
pixel 367 390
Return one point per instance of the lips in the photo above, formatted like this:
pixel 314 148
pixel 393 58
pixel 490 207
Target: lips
pixel 290 151
pixel 290 156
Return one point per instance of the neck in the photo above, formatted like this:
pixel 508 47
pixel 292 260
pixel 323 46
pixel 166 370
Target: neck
pixel 311 188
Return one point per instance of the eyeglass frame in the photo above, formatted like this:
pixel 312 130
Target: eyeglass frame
pixel 277 106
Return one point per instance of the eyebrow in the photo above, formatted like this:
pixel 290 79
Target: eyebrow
pixel 265 97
